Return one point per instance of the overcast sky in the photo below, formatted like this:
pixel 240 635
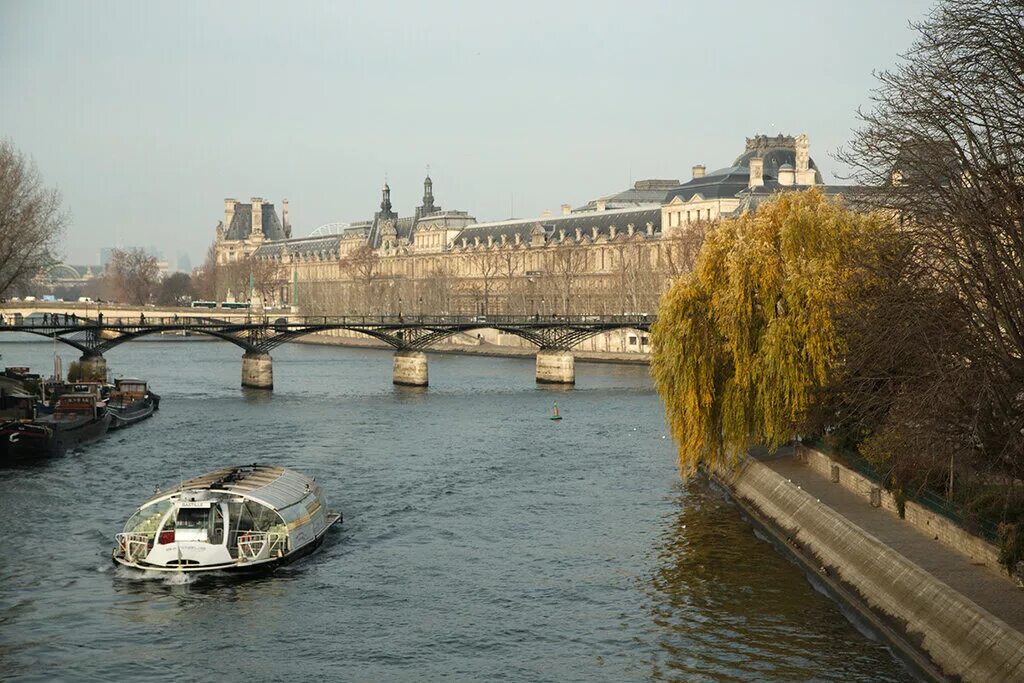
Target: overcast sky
pixel 147 115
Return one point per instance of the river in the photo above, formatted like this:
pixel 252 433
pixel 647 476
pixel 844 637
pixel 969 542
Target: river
pixel 481 540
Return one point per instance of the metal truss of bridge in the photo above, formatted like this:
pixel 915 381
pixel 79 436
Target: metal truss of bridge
pixel 410 336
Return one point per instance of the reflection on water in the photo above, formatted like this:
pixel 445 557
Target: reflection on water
pixel 482 541
pixel 726 609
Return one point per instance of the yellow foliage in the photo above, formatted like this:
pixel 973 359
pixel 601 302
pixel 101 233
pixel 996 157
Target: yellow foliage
pixel 743 343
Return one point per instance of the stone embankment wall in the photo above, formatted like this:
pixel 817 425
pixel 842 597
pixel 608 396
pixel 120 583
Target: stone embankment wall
pixel 962 638
pixel 938 527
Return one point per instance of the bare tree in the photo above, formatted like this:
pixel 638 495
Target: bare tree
pixel 30 221
pixel 175 290
pixel 510 264
pixel 135 275
pixel 267 276
pixel 942 147
pixel 568 263
pixel 362 265
pixel 486 263
pixel 680 247
pixel 204 277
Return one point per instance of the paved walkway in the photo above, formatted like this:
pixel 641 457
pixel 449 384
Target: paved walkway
pixel 992 590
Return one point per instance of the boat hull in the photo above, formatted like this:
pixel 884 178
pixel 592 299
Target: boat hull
pixel 51 437
pixel 130 413
pixel 257 567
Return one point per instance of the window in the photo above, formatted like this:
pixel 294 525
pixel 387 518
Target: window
pixel 632 340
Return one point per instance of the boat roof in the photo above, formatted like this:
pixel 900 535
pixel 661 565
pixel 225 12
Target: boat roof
pixel 276 487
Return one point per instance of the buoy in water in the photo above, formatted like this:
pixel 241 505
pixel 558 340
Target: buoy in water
pixel 554 414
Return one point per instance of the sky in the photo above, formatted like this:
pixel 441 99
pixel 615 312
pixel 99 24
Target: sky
pixel 146 115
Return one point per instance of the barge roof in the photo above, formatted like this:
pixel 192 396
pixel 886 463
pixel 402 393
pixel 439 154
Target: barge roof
pixel 275 486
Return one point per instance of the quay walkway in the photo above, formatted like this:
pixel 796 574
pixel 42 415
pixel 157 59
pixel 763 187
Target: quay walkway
pixel 991 589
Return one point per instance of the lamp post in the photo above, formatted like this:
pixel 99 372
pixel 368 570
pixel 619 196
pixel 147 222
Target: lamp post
pixel 399 307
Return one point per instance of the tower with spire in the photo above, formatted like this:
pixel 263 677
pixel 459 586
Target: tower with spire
pixel 428 207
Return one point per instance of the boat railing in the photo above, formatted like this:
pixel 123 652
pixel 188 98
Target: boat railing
pixel 134 547
pixel 254 545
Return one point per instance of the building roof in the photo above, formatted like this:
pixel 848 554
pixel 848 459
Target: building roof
pixel 241 223
pixel 585 221
pixel 301 246
pixel 643 192
pixel 720 184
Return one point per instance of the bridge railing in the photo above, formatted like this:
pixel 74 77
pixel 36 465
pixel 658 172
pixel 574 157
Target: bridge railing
pixel 62 321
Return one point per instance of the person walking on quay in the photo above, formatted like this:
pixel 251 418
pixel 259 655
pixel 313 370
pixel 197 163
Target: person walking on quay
pixel 100 317
pixel 142 318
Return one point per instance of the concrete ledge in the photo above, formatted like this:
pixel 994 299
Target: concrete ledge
pixel 962 638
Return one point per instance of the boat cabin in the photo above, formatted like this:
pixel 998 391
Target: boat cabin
pixel 127 390
pixel 231 518
pixel 76 404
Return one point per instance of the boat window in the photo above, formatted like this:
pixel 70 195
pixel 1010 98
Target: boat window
pixel 147 520
pixel 193 518
pixel 216 526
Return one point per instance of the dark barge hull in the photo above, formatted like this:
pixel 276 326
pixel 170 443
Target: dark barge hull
pixel 16 443
pixel 136 411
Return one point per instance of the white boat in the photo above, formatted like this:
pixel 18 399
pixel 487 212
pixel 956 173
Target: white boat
pixel 233 519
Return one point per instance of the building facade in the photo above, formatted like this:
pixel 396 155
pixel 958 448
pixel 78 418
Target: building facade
pixel 614 254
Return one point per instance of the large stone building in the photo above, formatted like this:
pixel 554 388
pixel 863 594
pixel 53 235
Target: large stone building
pixel 612 255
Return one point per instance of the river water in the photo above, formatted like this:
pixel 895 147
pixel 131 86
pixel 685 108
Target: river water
pixel 481 540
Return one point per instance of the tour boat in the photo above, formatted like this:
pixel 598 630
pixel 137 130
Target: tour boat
pixel 130 401
pixel 244 518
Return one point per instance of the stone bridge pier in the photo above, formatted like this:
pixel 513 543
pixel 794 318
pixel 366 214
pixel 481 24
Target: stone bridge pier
pixel 410 368
pixel 257 370
pixel 556 367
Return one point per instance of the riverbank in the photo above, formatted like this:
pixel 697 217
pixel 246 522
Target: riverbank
pixel 475 347
pixel 929 590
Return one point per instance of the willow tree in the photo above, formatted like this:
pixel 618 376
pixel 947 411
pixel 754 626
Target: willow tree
pixel 745 342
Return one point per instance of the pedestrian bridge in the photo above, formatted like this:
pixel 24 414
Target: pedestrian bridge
pixel 257 336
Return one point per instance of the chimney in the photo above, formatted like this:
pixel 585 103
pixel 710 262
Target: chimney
pixel 229 212
pixel 600 205
pixel 546 214
pixel 787 176
pixel 284 218
pixel 756 172
pixel 805 175
pixel 257 216
pixel 698 171
pixel 566 209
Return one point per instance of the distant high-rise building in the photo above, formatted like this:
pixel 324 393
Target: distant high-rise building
pixel 184 262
